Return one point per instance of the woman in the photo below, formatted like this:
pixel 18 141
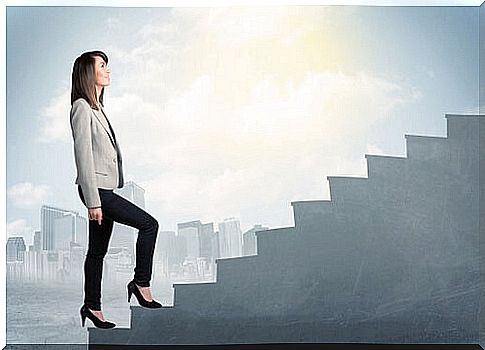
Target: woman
pixel 99 171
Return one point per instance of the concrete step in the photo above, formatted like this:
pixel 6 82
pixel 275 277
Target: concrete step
pixel 231 270
pixel 426 148
pixel 193 295
pixel 380 166
pixel 107 336
pixel 278 238
pixel 345 189
pixel 139 313
pixel 463 128
pixel 304 211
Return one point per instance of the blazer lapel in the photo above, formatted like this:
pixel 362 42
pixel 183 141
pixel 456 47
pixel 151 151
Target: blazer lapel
pixel 112 137
pixel 113 140
pixel 103 123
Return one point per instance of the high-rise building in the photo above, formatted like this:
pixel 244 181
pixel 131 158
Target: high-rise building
pixel 15 248
pixel 63 231
pixel 48 215
pixel 77 256
pixel 217 246
pixel 71 227
pixel 31 262
pixel 249 240
pixel 191 231
pixel 37 241
pixel 165 251
pixel 230 238
pixel 81 231
pixel 180 251
pixel 200 238
pixel 208 242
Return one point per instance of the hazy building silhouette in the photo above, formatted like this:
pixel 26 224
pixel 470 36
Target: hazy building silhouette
pixel 48 215
pixel 230 238
pixel 15 249
pixel 80 231
pixel 180 249
pixel 201 251
pixel 191 231
pixel 249 240
pixel 31 261
pixel 37 241
pixel 77 255
pixel 71 227
pixel 118 266
pixel 208 242
pixel 200 238
pixel 164 252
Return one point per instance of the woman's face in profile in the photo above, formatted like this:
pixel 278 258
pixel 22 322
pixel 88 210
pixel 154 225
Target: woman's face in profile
pixel 102 72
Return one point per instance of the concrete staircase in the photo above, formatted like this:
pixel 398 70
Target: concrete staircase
pixel 392 257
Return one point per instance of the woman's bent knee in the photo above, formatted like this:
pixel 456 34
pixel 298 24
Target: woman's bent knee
pixel 151 224
pixel 155 226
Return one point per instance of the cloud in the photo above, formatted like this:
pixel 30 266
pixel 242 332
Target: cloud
pixel 196 160
pixel 238 111
pixel 54 119
pixel 231 135
pixel 20 228
pixel 27 195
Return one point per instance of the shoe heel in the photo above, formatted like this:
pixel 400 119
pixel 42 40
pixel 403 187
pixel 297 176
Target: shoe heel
pixel 133 289
pixel 129 294
pixel 97 322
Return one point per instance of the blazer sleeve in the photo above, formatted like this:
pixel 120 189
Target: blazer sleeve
pixel 80 118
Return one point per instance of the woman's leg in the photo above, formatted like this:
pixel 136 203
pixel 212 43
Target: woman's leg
pixel 121 210
pixel 99 236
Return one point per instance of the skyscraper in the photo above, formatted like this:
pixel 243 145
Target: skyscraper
pixel 15 249
pixel 208 242
pixel 81 231
pixel 37 241
pixel 191 231
pixel 48 215
pixel 71 227
pixel 250 241
pixel 230 238
pixel 166 251
pixel 200 239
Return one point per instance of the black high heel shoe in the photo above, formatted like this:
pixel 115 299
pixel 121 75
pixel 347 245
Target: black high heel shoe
pixel 85 312
pixel 133 289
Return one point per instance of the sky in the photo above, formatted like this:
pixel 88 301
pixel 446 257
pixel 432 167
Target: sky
pixel 231 111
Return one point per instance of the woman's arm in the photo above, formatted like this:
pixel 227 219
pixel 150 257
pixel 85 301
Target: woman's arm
pixel 81 131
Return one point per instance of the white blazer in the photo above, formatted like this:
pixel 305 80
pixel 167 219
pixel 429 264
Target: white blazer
pixel 96 152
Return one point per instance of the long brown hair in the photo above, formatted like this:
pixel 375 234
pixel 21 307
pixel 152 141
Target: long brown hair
pixel 83 78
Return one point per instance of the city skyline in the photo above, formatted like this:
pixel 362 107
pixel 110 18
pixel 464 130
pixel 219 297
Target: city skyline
pixel 31 240
pixel 58 248
pixel 60 226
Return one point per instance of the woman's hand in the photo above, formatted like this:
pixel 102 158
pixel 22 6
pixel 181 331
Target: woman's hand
pixel 95 214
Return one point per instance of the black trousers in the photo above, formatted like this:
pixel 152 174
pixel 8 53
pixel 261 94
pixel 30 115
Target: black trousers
pixel 117 208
